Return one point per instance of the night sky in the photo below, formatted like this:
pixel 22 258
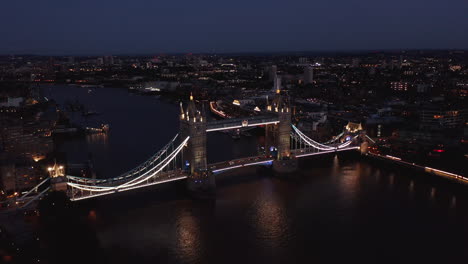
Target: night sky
pixel 64 27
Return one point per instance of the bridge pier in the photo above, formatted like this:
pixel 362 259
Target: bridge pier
pixel 285 167
pixel 202 184
pixel 59 184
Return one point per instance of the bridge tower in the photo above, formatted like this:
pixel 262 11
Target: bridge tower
pixel 284 162
pixel 193 124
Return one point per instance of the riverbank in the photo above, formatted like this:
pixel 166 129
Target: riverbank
pixel 413 166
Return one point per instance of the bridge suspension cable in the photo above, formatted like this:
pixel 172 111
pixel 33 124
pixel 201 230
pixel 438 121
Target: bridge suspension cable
pixel 318 145
pixel 35 197
pixel 334 139
pixel 309 141
pixel 32 191
pixel 148 163
pixel 150 172
pixel 373 141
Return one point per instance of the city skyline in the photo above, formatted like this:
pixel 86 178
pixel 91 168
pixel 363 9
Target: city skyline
pixel 118 27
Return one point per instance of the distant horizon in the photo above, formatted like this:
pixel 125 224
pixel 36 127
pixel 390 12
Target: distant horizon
pixel 89 27
pixel 282 52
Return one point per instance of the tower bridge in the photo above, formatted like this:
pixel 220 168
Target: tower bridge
pixel 185 156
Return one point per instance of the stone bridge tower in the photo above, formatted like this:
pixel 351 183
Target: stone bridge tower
pixel 285 162
pixel 193 124
pixel 280 133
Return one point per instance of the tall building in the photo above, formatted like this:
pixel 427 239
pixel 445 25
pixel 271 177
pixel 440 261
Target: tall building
pixel 355 62
pixel 277 84
pixel 308 74
pixel 273 73
pixel 71 60
pixel 100 61
pixel 109 60
pixel 303 60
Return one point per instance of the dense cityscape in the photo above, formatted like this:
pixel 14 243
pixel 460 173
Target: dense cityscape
pixel 411 104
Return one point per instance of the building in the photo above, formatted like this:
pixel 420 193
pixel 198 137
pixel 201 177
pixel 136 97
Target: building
pixel 399 86
pixel 7 178
pixel 273 73
pixel 277 84
pixel 355 62
pixel 19 175
pixel 433 117
pixel 26 141
pixel 303 60
pixel 11 102
pixel 308 74
pixel 108 60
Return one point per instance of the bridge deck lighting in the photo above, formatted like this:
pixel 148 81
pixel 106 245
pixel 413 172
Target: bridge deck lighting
pixel 392 157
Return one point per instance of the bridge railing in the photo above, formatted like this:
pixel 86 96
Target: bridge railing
pixel 241 122
pixel 241 161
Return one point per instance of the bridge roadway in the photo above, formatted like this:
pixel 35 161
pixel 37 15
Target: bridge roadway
pixel 234 123
pixel 267 160
pixel 179 174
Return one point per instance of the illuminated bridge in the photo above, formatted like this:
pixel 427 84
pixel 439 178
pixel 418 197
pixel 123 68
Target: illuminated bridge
pixel 184 156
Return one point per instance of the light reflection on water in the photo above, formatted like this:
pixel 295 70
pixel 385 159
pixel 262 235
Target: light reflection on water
pixel 98 139
pixel 392 179
pixel 188 237
pixel 350 181
pixel 433 193
pixel 270 217
pixel 453 202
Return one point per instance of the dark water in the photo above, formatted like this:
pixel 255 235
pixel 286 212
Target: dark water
pixel 336 209
pixel 139 127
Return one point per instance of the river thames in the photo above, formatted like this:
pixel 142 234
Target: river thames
pixel 337 209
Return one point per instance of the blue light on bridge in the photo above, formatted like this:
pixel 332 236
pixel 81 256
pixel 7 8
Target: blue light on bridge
pixel 273 151
pixel 348 138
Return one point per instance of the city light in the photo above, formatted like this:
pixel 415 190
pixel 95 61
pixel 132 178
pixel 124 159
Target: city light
pixel 392 157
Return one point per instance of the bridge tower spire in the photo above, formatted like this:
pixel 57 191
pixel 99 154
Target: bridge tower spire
pixel 193 124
